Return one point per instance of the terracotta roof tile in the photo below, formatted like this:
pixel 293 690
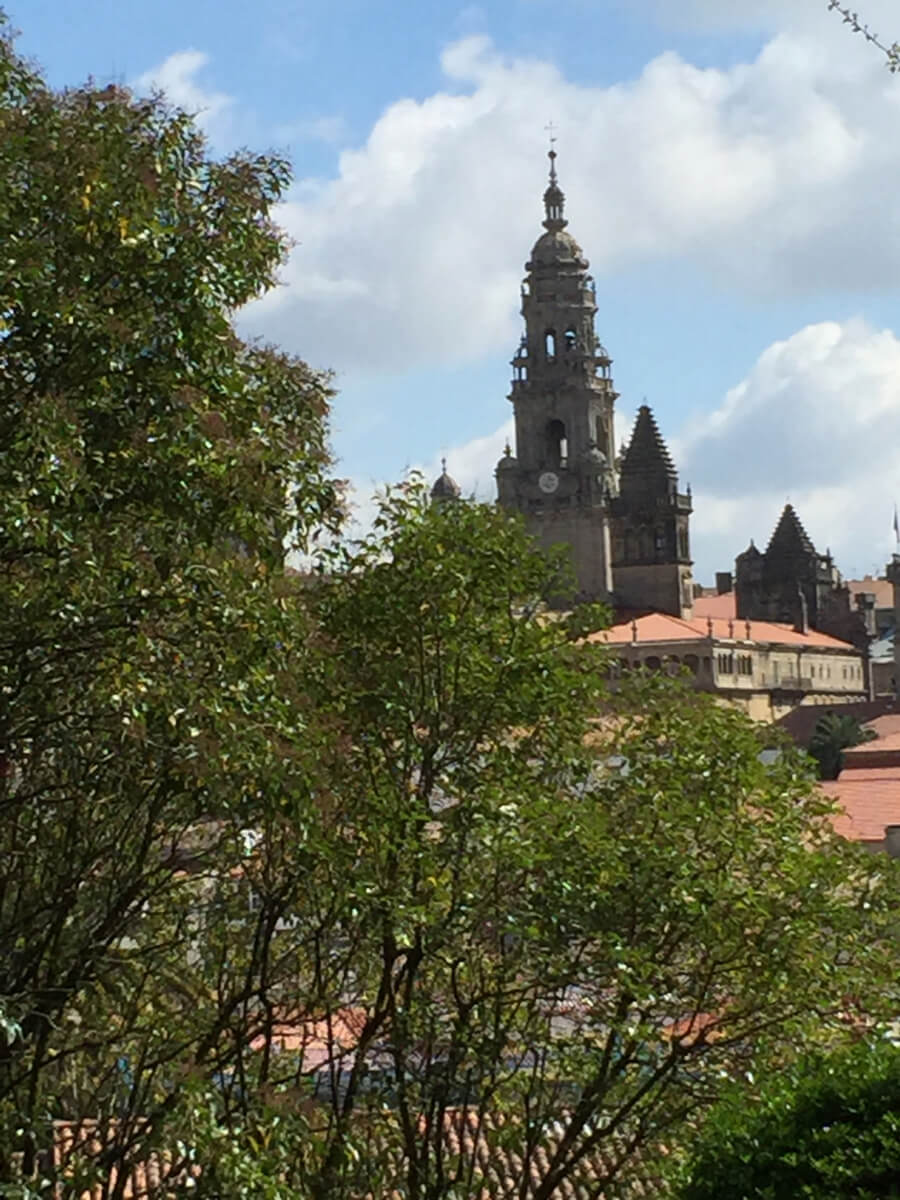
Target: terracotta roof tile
pixel 660 627
pixel 724 606
pixel 76 1143
pixel 319 1041
pixel 870 800
pixel 886 725
pixel 470 1137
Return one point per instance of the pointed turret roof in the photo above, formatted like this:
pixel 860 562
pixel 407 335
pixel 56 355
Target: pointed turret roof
pixel 647 452
pixel 750 552
pixel 789 536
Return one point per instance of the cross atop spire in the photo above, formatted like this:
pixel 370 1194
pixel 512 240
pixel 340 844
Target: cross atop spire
pixel 550 128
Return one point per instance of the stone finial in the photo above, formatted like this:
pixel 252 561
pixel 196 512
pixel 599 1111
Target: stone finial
pixel 554 198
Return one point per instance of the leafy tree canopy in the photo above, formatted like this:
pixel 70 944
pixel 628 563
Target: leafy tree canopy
pixel 826 1129
pixel 151 466
pixel 359 855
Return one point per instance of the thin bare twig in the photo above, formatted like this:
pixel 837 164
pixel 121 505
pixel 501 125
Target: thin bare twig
pixel 892 52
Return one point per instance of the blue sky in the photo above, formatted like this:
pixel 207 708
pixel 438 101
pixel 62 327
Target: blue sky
pixel 729 168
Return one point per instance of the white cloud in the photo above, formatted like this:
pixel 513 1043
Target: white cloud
pixel 177 76
pixel 816 421
pixel 471 464
pixel 770 175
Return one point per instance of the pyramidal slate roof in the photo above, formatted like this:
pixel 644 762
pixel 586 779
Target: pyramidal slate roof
pixel 647 452
pixel 789 535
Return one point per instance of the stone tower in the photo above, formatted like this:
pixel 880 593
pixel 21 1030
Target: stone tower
pixel 792 583
pixel 651 540
pixel 769 586
pixel 561 477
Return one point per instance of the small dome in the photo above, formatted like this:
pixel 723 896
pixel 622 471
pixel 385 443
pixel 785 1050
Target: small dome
pixel 445 486
pixel 508 462
pixel 750 553
pixel 556 246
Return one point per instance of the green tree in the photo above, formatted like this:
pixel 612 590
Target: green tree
pixel 829 1129
pixel 834 733
pixel 152 467
pixel 393 810
pixel 562 914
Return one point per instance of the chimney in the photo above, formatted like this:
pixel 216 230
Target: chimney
pixel 724 583
pixel 865 605
pixel 801 624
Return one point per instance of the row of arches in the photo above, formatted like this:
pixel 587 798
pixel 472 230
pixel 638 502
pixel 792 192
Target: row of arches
pixel 651 545
pixel 671 663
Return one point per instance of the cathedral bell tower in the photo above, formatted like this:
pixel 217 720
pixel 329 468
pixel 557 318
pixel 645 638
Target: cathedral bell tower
pixel 561 477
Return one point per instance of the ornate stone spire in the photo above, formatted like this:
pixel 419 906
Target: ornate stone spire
pixel 647 453
pixel 789 537
pixel 554 200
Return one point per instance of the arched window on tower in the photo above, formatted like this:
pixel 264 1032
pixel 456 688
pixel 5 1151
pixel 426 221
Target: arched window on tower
pixel 550 345
pixel 557 448
pixel 571 339
pixel 600 433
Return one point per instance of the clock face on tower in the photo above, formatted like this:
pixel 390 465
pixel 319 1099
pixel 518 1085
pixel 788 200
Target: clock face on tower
pixel 548 482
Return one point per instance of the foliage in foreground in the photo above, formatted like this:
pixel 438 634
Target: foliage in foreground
pixel 298 874
pixel 150 465
pixel 543 921
pixel 826 1129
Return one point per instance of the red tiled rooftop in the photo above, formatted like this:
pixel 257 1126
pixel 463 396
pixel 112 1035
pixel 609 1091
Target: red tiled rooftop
pixel 870 799
pixel 886 726
pixel 318 1040
pixel 723 606
pixel 660 627
pixel 485 1148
